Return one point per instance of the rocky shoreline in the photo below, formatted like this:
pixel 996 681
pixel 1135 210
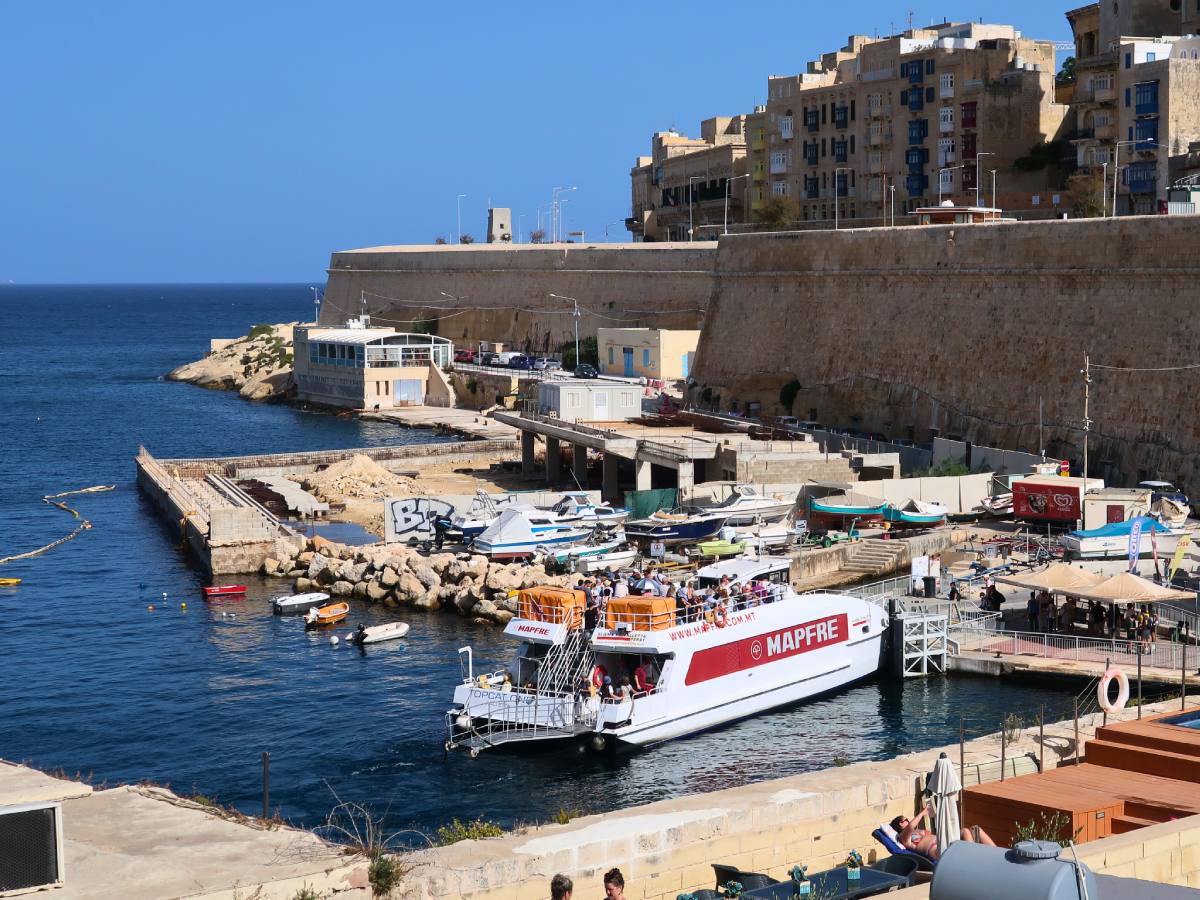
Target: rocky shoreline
pixel 257 365
pixel 399 576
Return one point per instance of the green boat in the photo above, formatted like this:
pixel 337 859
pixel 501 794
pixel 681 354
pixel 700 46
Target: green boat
pixel 720 548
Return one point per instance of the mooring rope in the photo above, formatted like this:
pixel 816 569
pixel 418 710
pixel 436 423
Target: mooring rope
pixel 53 500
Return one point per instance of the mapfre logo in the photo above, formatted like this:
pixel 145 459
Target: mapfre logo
pixel 756 650
pixel 764 649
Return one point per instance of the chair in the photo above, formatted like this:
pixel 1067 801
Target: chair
pixel 748 880
pixel 886 836
pixel 904 866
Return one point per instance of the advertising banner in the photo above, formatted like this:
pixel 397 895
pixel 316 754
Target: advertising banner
pixel 1059 503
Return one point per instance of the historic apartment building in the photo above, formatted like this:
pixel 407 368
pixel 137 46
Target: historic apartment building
pixel 690 183
pixel 879 128
pixel 1136 102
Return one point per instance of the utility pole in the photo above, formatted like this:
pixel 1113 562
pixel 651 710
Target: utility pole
pixel 1087 422
pixel 691 204
pixel 458 205
pixel 576 316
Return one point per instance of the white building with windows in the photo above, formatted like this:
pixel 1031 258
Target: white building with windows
pixel 577 400
pixel 362 367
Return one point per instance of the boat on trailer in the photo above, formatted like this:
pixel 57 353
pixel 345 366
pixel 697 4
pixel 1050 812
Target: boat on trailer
pixel 916 514
pixel 841 511
pixel 516 535
pixel 1112 541
pixel 677 526
pixel 747 505
pixel 690 673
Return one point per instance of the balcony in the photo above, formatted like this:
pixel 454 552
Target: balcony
pixel 812 191
pixel 946 92
pixel 875 195
pixel 1104 132
pixel 916 72
pixel 841 117
pixel 945 125
pixel 1142 178
pixel 945 157
pixel 785 128
pixel 810 157
pixel 1104 95
pixel 1145 101
pixel 875 166
pixel 779 167
pixel 916 101
pixel 757 143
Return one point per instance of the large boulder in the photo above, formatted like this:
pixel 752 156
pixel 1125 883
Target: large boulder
pixel 502 617
pixel 304 559
pixel 505 578
pixel 317 564
pixel 409 587
pixel 428 600
pixel 304 585
pixel 359 591
pixel 425 574
pixel 477 567
pixel 341 589
pixel 353 571
pixel 465 596
pixel 376 591
pixel 323 546
pixel 270 566
pixel 389 577
pixel 441 561
pixel 533 576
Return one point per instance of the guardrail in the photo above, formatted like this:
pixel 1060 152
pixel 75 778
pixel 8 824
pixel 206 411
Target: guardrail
pixel 570 426
pixel 229 465
pixel 1157 654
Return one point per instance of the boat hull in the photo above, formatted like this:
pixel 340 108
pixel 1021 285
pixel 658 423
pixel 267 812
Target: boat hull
pixel 224 590
pixel 767 514
pixel 645 532
pixel 842 517
pixel 298 603
pixel 1117 546
pixel 614 560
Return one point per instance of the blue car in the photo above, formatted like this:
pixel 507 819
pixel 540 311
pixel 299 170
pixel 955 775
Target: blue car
pixel 520 362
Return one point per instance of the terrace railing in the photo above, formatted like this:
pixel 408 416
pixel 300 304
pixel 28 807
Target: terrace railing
pixel 969 637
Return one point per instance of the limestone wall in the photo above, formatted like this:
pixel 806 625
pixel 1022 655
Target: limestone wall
pixel 963 328
pixel 503 290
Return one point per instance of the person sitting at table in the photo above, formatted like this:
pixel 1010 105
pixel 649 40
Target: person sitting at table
pixel 911 836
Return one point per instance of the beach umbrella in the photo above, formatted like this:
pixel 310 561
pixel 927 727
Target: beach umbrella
pixel 943 788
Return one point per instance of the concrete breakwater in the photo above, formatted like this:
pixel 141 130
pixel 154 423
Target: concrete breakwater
pixel 465 583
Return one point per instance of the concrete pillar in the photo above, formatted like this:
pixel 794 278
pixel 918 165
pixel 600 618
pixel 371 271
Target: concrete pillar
pixel 611 487
pixel 687 480
pixel 528 465
pixel 579 464
pixel 641 469
pixel 553 460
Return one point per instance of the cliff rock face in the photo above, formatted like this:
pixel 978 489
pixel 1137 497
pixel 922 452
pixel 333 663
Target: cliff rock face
pixel 258 366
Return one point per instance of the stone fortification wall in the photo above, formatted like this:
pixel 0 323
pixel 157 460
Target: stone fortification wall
pixel 964 328
pixel 504 291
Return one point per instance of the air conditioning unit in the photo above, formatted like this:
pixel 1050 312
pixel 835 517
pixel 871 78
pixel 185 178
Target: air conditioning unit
pixel 31 847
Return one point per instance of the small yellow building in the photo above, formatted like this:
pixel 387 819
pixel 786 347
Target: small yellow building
pixel 647 352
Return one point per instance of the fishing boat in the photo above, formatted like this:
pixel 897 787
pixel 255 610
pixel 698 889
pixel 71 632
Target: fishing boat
pixel 224 590
pixel 746 505
pixel 514 535
pixel 676 526
pixel 916 514
pixel 297 603
pixel 721 547
pixel 594 556
pixel 1112 541
pixel 9 582
pixel 609 561
pixel 839 511
pixel 690 675
pixel 321 617
pixel 377 634
pixel 578 509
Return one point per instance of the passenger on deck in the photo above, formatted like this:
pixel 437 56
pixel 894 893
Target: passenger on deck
pixel 641 682
pixel 922 840
pixel 506 685
pixel 621 588
pixel 625 691
pixel 608 692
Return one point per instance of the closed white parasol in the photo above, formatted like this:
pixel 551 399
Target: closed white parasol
pixel 943 789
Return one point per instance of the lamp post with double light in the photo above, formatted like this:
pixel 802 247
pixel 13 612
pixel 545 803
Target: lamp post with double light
pixel 941 182
pixel 979 172
pixel 576 314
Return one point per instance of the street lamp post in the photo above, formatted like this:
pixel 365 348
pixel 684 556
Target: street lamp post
pixel 1104 190
pixel 555 215
pixel 892 192
pixel 946 169
pixel 610 225
pixel 993 171
pixel 729 181
pixel 316 303
pixel 835 192
pixel 458 204
pixel 576 302
pixel 691 204
pixel 979 172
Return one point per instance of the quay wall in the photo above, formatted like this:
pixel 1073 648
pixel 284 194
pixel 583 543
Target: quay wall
pixel 960 331
pixel 668 847
pixel 502 292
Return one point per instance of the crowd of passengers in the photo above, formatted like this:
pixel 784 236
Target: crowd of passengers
pixel 692 603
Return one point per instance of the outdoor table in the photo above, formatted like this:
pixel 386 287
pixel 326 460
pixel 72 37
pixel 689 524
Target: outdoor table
pixel 833 885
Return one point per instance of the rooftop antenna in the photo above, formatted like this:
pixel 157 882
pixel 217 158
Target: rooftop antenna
pixel 910 15
pixel 316 303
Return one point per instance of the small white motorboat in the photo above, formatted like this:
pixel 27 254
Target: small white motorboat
pixel 298 603
pixel 611 560
pixel 759 537
pixel 377 634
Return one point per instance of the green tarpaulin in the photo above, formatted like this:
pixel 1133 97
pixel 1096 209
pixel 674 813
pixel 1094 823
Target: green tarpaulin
pixel 643 503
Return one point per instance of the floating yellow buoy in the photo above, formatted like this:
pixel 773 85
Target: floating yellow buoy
pixel 150 607
pixel 183 606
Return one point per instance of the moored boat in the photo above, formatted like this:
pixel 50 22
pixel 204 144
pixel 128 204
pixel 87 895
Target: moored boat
pixel 688 672
pixel 224 590
pixel 676 526
pixel 321 617
pixel 1112 541
pixel 760 537
pixel 513 536
pixel 377 634
pixel 298 603
pixel 916 514
pixel 9 582
pixel 609 561
pixel 746 505
pixel 721 547
pixel 841 510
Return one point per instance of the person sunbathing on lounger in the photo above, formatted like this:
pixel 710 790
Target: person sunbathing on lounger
pixel 911 836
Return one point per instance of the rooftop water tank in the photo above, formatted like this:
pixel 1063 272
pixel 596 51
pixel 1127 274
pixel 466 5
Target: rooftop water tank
pixel 1031 871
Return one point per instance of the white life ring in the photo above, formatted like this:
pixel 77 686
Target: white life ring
pixel 1122 691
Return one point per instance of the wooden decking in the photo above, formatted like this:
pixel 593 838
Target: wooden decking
pixel 1137 773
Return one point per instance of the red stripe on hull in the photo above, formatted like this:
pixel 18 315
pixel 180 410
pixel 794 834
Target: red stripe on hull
pixel 751 652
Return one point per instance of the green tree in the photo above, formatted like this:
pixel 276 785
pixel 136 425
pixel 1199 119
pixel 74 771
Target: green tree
pixel 440 239
pixel 1088 190
pixel 466 239
pixel 1067 72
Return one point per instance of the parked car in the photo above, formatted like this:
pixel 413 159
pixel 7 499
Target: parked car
pixel 464 355
pixel 546 364
pixel 520 361
pixel 583 370
pixel 489 358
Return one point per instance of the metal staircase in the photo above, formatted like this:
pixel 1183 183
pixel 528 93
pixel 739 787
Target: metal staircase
pixel 550 711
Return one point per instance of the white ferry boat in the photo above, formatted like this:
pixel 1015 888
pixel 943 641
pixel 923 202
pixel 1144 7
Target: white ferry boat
pixel 702 671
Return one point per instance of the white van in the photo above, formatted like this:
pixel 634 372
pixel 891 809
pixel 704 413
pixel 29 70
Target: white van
pixel 506 357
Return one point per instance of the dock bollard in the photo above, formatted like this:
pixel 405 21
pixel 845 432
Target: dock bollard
pixel 266 763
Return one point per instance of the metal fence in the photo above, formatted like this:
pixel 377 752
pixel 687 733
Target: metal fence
pixel 1154 654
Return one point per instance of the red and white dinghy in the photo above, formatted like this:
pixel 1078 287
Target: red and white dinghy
pixel 224 590
pixel 688 673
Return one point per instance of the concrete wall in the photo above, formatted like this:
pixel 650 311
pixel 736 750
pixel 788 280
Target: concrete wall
pixel 505 288
pixel 991 459
pixel 959 493
pixel 963 328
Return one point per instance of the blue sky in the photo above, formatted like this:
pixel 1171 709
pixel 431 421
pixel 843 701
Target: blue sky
pixel 244 141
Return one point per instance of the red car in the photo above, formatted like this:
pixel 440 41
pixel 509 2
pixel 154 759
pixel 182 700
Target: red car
pixel 464 356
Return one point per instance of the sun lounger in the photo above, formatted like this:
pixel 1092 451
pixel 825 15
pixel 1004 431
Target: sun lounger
pixel 887 836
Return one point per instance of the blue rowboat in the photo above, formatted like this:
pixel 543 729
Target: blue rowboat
pixel 840 511
pixel 915 514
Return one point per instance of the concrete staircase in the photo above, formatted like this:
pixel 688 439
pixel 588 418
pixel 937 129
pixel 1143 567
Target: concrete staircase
pixel 872 558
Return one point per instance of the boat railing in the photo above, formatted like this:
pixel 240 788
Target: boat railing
pixel 699 613
pixel 1157 654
